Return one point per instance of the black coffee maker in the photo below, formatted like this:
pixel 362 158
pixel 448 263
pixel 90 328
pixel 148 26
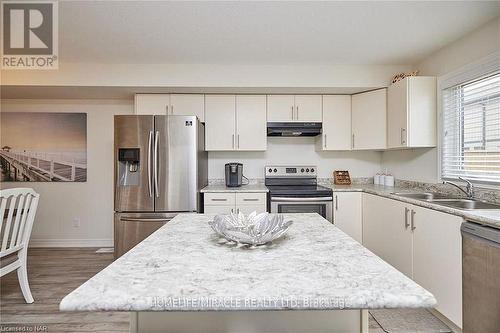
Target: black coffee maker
pixel 234 174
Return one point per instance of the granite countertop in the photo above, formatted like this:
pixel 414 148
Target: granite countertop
pixel 221 188
pixel 184 266
pixel 485 217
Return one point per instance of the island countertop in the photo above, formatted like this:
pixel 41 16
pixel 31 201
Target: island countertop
pixel 184 266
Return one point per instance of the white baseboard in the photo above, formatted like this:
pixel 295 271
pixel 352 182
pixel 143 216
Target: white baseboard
pixel 71 243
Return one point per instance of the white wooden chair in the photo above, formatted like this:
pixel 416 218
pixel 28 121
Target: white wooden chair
pixel 17 211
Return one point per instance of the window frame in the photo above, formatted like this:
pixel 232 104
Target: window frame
pixel 481 68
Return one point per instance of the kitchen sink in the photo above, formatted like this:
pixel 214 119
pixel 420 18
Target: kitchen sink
pixel 421 195
pixel 440 199
pixel 467 204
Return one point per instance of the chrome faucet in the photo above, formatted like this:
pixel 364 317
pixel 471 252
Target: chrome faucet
pixel 469 188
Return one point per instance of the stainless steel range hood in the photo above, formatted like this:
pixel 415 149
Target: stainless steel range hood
pixel 293 129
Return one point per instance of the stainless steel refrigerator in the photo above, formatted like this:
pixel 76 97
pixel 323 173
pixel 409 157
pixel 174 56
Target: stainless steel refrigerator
pixel 160 166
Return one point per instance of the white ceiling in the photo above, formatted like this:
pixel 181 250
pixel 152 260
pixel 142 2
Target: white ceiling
pixel 264 32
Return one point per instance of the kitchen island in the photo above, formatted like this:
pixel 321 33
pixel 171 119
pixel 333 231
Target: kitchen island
pixel 186 278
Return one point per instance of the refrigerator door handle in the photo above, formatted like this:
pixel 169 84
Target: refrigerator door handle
pixel 155 163
pixel 133 219
pixel 150 141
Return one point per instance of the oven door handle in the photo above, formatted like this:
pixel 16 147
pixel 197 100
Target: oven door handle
pixel 302 199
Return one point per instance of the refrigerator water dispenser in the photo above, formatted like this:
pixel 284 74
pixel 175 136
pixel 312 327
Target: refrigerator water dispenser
pixel 128 166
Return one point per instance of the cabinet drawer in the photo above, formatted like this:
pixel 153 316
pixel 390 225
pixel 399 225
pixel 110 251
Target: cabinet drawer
pixel 219 199
pixel 250 199
pixel 219 209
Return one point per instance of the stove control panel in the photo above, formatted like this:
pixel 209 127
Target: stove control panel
pixel 290 171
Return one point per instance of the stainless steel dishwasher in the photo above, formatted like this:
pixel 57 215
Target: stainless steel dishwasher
pixel 480 278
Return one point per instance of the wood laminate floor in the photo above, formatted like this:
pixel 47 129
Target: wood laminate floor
pixel 54 273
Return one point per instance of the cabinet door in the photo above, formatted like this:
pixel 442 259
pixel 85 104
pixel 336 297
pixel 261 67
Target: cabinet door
pixel 280 108
pixel 308 108
pixel 369 114
pixel 151 104
pixel 347 210
pixel 247 209
pixel 220 122
pixel 336 122
pixel 218 209
pixel 188 105
pixel 437 259
pixel 385 233
pixel 251 126
pixel 422 111
pixel 397 116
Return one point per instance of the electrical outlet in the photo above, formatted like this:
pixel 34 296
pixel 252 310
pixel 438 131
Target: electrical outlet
pixel 76 223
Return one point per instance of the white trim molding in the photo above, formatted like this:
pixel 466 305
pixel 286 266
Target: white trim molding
pixel 71 243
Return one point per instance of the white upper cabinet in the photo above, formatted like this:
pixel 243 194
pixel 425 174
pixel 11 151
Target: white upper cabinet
pixel 188 105
pixel 411 113
pixel 251 129
pixel 235 122
pixel 151 104
pixel 300 108
pixel 280 108
pixel 308 108
pixel 336 131
pixel 369 114
pixel 220 121
pixel 176 104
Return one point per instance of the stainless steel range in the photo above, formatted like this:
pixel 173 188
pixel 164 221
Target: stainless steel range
pixel 294 189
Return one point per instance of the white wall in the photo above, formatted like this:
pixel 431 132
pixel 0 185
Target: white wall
pixel 422 164
pixel 91 201
pixel 300 150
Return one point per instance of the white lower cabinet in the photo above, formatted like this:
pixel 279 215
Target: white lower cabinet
pixel 385 232
pixel 437 259
pixel 422 243
pixel 231 202
pixel 347 213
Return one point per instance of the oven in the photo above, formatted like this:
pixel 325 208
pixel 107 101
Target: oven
pixel 321 205
pixel 294 189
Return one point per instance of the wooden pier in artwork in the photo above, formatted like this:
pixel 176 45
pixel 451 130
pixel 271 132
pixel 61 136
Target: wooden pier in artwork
pixel 34 166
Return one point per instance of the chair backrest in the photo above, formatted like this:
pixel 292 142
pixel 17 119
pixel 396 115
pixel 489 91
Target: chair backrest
pixel 17 211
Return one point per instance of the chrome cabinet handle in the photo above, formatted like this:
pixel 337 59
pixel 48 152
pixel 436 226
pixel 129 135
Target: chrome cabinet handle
pixel 233 140
pixel 353 141
pixel 406 217
pixel 238 142
pixel 218 199
pixel 297 113
pixel 325 140
pixel 336 203
pixel 292 112
pixel 150 189
pixel 166 108
pixel 251 199
pixel 413 227
pixel 403 135
pixel 156 160
pixel 171 109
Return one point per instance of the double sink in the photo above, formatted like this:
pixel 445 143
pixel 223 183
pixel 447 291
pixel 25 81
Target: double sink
pixel 453 202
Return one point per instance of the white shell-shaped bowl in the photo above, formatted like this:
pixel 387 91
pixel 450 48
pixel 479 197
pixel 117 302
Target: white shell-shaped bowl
pixel 253 229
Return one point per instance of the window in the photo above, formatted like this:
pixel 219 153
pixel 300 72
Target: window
pixel 471 130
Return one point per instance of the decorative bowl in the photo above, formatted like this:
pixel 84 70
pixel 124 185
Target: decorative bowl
pixel 253 229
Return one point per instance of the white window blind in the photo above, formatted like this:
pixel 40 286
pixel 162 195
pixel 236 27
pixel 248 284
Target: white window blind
pixel 471 130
